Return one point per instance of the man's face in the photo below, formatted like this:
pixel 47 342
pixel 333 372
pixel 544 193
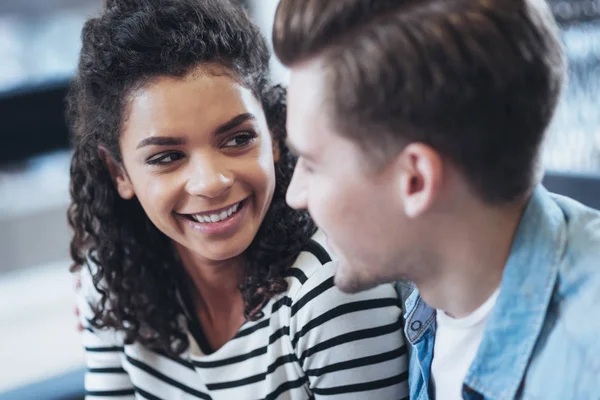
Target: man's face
pixel 354 203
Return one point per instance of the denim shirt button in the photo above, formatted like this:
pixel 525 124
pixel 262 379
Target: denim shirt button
pixel 416 325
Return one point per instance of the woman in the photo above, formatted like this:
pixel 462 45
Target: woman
pixel 198 280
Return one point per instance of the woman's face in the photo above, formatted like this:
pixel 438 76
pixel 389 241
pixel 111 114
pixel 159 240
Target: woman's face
pixel 198 155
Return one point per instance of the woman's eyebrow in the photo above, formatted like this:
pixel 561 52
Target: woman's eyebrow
pixel 233 122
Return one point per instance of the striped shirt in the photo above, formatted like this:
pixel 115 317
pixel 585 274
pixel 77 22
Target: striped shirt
pixel 314 342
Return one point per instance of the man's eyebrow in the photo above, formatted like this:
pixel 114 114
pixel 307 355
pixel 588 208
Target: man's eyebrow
pixel 297 153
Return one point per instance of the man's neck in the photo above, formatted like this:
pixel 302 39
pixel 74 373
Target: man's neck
pixel 474 252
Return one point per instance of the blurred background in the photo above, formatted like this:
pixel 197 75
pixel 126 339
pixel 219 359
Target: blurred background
pixel 39 44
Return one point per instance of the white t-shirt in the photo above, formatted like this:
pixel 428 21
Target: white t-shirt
pixel 456 344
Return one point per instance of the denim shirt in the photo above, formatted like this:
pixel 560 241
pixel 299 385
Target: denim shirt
pixel 542 339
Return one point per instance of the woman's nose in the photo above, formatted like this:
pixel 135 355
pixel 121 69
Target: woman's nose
pixel 209 178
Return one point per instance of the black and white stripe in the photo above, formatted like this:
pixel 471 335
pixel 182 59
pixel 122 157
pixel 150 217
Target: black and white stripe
pixel 313 342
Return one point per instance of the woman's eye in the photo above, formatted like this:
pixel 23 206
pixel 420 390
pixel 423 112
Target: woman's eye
pixel 165 158
pixel 241 140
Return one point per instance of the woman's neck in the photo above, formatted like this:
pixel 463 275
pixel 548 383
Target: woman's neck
pixel 214 284
pixel 214 290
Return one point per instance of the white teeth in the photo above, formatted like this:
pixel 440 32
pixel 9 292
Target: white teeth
pixel 216 217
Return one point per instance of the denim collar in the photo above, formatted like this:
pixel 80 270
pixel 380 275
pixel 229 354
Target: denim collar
pixel 526 290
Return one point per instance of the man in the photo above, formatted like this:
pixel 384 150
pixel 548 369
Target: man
pixel 418 126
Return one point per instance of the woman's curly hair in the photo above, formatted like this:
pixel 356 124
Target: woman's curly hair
pixel 137 269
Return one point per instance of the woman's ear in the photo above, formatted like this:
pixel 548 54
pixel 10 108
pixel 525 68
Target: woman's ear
pixel 118 174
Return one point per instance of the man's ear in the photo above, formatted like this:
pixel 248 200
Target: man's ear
pixel 118 174
pixel 420 171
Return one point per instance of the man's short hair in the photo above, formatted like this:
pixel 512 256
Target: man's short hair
pixel 477 80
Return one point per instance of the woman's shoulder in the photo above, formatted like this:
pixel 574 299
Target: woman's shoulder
pixel 311 279
pixel 314 258
pixel 321 317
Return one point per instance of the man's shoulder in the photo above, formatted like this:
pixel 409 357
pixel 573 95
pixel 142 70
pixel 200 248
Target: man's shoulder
pixel 577 296
pixel 582 227
pixel 567 358
pixel 566 363
pixel 579 269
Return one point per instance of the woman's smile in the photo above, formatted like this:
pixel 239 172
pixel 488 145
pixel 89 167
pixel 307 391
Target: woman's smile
pixel 222 221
